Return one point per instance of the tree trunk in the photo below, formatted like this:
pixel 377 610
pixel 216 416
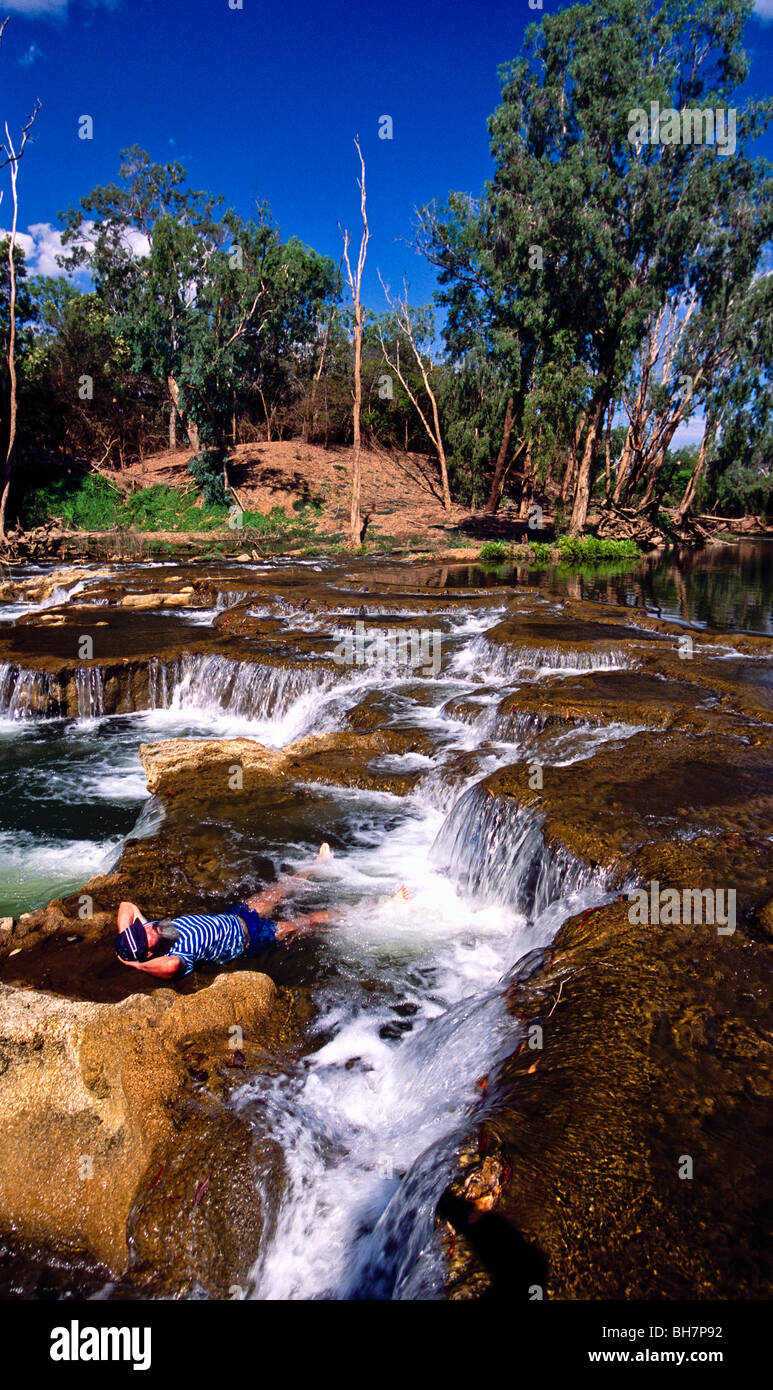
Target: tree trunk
pixel 527 491
pixel 498 480
pixel 624 464
pixel 585 476
pixel 8 465
pixel 685 506
pixel 268 417
pixel 570 472
pixel 355 288
pixel 355 519
pixel 608 454
pixel 173 427
pixel 190 426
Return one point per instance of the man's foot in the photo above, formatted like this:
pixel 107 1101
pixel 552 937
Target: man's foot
pixel 324 851
pixel 401 896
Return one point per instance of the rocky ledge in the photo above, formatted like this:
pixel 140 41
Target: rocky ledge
pixel 115 1142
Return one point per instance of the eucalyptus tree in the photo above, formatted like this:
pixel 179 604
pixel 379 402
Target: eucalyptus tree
pixel 599 208
pixel 208 302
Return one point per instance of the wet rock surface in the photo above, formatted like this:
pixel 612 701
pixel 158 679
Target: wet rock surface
pixel 599 751
pixel 628 1148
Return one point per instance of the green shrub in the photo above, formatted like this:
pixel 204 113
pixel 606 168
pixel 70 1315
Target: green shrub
pixel 538 554
pixel 88 503
pixel 590 550
pixel 493 553
pixel 206 469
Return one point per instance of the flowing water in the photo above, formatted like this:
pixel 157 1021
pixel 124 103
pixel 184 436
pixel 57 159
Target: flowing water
pixel 409 997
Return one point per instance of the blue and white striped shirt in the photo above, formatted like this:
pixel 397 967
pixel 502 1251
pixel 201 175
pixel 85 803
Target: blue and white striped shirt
pixel 215 939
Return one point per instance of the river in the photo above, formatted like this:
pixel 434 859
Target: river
pixel 409 1012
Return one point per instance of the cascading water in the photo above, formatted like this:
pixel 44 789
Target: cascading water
pixel 90 692
pixel 495 851
pixel 410 998
pixel 27 694
pixel 370 1122
pixel 492 661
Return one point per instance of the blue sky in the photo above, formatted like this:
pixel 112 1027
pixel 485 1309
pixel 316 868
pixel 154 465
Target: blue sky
pixel 265 102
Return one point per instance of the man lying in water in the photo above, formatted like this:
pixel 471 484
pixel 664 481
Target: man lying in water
pixel 170 949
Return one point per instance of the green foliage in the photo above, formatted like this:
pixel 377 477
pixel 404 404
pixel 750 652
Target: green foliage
pixel 586 233
pixel 745 487
pixel 494 553
pixel 206 469
pixel 538 554
pixel 92 503
pixel 591 550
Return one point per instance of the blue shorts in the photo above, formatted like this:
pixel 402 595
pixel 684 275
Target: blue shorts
pixel 261 929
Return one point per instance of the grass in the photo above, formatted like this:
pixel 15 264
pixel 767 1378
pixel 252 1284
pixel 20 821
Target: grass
pixel 569 551
pixel 591 550
pixel 93 503
pixel 494 553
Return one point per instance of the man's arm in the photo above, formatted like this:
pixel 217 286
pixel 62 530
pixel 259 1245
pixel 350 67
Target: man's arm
pixel 127 912
pixel 163 967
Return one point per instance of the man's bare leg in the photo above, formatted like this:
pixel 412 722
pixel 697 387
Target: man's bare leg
pixel 267 898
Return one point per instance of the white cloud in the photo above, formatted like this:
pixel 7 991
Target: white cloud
pixel 42 243
pixel 763 9
pixel 29 56
pixel 691 432
pixel 33 8
pixel 53 9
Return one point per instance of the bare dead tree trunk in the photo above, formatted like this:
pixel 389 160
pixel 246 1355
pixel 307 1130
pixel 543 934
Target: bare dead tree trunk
pixel 12 157
pixel 355 287
pixel 433 432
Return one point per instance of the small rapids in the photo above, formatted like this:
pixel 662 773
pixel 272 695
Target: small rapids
pixel 409 1000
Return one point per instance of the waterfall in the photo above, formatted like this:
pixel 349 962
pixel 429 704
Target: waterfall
pixel 519 726
pixel 495 850
pixel 90 692
pixel 28 694
pixel 493 662
pixel 159 690
pixel 246 689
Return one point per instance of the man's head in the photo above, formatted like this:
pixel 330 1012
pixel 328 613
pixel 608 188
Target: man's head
pixel 140 942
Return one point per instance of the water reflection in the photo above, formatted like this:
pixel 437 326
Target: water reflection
pixel 726 587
